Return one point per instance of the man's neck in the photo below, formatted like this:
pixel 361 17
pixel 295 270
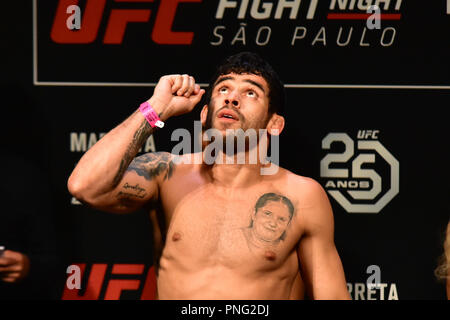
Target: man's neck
pixel 228 172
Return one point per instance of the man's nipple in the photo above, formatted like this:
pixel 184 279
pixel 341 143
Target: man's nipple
pixel 270 255
pixel 176 236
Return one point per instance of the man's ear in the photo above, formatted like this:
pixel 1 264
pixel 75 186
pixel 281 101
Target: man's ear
pixel 275 124
pixel 203 114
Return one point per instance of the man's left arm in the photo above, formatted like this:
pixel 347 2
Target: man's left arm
pixel 320 264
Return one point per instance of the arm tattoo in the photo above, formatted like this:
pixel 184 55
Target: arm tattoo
pixel 138 139
pixel 132 191
pixel 151 165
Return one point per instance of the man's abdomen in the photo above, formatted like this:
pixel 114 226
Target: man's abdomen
pixel 221 283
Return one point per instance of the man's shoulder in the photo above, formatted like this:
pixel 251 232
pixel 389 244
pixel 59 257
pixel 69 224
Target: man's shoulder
pixel 189 158
pixel 311 200
pixel 298 180
pixel 181 165
pixel 305 188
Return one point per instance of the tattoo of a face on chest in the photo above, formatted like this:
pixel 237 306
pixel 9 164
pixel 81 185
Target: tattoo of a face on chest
pixel 270 219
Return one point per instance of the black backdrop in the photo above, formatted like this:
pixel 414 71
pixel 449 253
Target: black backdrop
pixel 58 98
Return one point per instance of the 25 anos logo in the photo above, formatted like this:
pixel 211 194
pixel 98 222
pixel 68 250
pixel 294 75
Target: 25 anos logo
pixel 364 180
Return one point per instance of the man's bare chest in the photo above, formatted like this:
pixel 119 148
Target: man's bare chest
pixel 232 227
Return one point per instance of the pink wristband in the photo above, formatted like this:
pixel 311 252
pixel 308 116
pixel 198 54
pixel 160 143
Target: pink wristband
pixel 150 114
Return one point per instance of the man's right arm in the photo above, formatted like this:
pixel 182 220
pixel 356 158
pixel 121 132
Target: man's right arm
pixel 109 177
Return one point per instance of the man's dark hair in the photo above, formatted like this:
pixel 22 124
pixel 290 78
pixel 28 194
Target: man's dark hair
pixel 252 63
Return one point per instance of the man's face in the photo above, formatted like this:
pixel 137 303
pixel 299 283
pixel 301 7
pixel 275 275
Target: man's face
pixel 238 101
pixel 270 221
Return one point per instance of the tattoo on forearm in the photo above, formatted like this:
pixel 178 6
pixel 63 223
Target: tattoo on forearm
pixel 139 138
pixel 271 217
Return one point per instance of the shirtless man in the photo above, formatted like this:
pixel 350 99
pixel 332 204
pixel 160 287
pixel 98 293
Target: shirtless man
pixel 213 245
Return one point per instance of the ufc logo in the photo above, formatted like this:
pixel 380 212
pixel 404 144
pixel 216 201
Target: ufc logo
pixel 117 22
pixel 111 283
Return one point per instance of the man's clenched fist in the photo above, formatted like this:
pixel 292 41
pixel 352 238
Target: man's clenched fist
pixel 175 95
